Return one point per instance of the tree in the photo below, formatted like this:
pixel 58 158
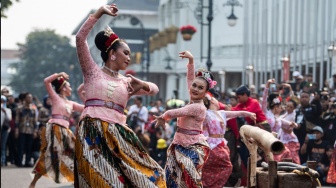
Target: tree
pixel 43 54
pixel 5 4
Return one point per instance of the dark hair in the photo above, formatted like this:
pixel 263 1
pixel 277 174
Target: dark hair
pixel 214 93
pixel 58 84
pixel 100 40
pixel 206 102
pixel 243 89
pixel 270 99
pixel 139 98
pixel 294 103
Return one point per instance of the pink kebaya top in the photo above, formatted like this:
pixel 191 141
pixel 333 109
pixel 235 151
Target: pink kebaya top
pixel 60 106
pixel 98 85
pixel 215 125
pixel 189 117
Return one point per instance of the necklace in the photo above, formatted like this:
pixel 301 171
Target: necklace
pixel 195 101
pixel 114 73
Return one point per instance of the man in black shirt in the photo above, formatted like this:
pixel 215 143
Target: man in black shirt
pixel 316 149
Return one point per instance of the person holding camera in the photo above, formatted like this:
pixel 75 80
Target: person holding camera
pixel 316 149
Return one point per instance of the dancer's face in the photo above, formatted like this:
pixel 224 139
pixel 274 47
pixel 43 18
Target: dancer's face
pixel 67 89
pixel 123 56
pixel 198 89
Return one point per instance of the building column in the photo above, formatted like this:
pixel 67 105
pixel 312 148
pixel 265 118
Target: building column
pixel 170 85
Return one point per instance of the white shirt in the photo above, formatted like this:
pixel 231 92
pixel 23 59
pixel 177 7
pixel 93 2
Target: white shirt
pixel 142 115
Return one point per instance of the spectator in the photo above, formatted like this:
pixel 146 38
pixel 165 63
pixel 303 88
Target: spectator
pixel 316 150
pixel 161 153
pixel 44 112
pixel 6 117
pixel 26 128
pixel 138 114
pixel 328 123
pixel 12 142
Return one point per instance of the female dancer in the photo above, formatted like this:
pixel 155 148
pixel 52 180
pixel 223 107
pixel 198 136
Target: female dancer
pixel 218 167
pixel 281 126
pixel 57 140
pixel 189 149
pixel 108 153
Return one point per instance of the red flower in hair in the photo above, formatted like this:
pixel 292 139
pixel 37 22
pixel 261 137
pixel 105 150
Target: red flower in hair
pixel 112 38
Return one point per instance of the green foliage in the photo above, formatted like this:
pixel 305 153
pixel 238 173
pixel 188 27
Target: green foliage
pixel 43 54
pixel 5 4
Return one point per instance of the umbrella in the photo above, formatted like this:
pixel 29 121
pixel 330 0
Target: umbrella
pixel 175 103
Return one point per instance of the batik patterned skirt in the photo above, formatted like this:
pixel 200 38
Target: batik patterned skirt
pixel 184 165
pixel 57 154
pixel 111 155
pixel 217 169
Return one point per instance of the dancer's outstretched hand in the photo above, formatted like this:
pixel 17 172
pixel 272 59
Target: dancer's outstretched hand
pixel 135 85
pixel 111 10
pixel 64 75
pixel 186 54
pixel 159 121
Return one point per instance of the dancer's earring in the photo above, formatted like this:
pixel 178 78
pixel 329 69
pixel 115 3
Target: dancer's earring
pixel 113 57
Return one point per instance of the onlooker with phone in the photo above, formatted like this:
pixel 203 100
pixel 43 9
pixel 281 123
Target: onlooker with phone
pixel 316 149
pixel 306 118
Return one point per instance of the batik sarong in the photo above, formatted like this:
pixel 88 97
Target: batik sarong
pixel 184 165
pixel 217 169
pixel 57 154
pixel 111 155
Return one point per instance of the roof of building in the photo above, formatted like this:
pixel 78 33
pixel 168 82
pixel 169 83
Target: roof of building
pixel 9 54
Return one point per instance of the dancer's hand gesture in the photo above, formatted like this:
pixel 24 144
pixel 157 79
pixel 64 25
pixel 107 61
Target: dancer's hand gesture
pixel 135 85
pixel 111 10
pixel 64 75
pixel 159 121
pixel 187 54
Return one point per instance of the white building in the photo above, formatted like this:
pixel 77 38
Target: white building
pixel 8 57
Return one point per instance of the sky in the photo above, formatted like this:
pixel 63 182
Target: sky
pixel 26 15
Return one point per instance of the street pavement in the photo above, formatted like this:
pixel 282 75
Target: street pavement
pixel 14 177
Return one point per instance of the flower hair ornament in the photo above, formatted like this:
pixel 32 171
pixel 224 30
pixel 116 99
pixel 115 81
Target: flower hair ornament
pixel 276 100
pixel 112 37
pixel 208 95
pixel 201 72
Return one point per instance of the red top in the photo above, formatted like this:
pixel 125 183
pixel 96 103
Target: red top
pixel 251 105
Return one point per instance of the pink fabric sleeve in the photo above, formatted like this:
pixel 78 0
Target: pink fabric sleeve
pixel 234 114
pixel 286 124
pixel 153 89
pixel 77 107
pixel 206 126
pixel 80 90
pixel 188 110
pixel 83 51
pixel 47 82
pixel 264 100
pixel 190 74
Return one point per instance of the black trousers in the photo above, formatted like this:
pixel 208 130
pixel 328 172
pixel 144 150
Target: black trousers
pixel 25 147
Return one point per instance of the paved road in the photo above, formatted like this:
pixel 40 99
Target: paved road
pixel 13 177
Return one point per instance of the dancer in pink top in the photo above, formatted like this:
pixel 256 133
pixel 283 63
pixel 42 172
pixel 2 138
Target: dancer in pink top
pixel 108 153
pixel 281 126
pixel 218 167
pixel 57 140
pixel 189 149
